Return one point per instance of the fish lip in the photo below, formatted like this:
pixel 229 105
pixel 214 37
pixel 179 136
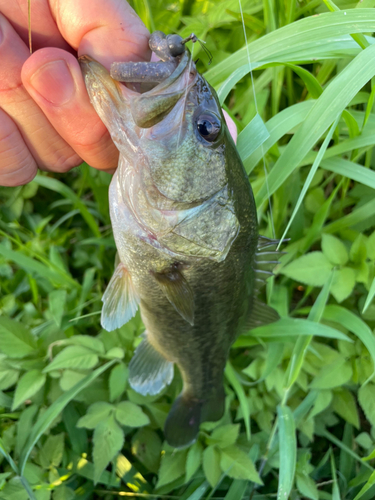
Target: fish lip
pixel 86 64
pixel 94 70
pixel 85 59
pixel 90 67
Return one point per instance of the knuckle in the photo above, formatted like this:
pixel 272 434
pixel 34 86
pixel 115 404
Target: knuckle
pixel 13 54
pixel 92 137
pixel 54 154
pixel 18 171
pixel 96 147
pixel 23 175
pixel 60 158
pixel 17 167
pixel 65 164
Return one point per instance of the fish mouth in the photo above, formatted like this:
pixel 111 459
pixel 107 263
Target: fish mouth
pixel 98 78
pixel 167 80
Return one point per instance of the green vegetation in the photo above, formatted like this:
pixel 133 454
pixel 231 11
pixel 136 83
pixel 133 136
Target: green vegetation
pixel 300 419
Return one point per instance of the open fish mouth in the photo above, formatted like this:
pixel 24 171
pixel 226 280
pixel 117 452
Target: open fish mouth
pixel 156 86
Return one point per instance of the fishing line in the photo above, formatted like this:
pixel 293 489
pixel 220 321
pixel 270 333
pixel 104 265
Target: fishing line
pixel 257 112
pixel 202 43
pixel 186 91
pixel 264 461
pixel 29 25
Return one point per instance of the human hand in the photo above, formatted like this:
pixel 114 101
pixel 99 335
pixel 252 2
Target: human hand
pixel 46 119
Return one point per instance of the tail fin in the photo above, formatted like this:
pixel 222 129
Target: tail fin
pixel 187 413
pixel 182 424
pixel 214 407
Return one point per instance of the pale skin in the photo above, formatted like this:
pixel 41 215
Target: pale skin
pixel 46 119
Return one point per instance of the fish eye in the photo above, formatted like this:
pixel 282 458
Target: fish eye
pixel 208 126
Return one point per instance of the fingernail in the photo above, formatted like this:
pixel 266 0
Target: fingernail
pixel 54 82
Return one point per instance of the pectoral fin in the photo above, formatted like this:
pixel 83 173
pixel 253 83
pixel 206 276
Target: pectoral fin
pixel 178 292
pixel 149 371
pixel 120 300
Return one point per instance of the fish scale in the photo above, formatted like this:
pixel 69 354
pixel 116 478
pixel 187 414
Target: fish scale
pixel 184 221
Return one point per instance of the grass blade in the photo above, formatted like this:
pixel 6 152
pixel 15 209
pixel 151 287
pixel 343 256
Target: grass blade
pixel 343 447
pixel 350 170
pixel 333 101
pixel 370 105
pixel 27 487
pixel 234 78
pixel 335 486
pixel 234 382
pixel 353 323
pixel 297 327
pixel 32 266
pixel 300 348
pixel 237 490
pixel 358 215
pixel 307 39
pixel 199 492
pixel 365 140
pixel 64 190
pixel 277 127
pixel 288 452
pixel 370 482
pixel 252 137
pixel 310 176
pixel 8 457
pixel 369 297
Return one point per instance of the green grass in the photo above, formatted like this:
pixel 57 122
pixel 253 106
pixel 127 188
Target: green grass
pixel 300 419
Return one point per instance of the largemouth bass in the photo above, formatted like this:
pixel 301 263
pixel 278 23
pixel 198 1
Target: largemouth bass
pixel 185 226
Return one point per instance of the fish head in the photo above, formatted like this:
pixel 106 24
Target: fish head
pixel 174 134
pixel 186 148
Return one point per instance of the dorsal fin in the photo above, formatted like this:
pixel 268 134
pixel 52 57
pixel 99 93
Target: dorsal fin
pixel 266 258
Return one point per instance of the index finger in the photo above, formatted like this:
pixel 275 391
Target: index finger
pixel 108 32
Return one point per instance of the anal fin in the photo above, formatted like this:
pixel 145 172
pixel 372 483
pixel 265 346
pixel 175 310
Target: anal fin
pixel 178 292
pixel 149 371
pixel 120 300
